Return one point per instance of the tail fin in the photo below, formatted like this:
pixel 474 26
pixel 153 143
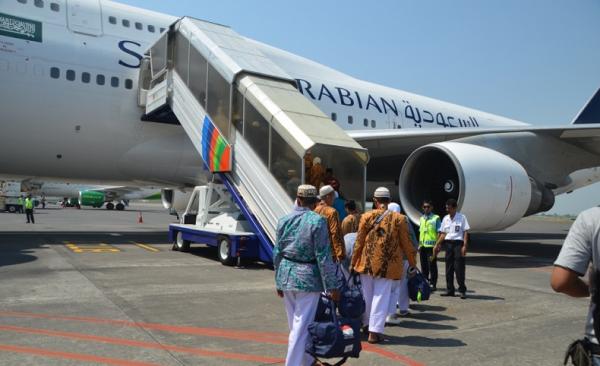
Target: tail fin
pixel 590 113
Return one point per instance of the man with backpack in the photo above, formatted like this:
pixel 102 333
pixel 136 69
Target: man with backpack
pixel 581 247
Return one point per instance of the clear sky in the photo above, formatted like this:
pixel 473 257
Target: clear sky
pixel 537 61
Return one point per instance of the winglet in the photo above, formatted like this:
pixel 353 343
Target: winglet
pixel 590 113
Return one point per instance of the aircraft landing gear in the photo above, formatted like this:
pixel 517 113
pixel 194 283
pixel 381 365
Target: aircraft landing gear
pixel 110 206
pixel 120 206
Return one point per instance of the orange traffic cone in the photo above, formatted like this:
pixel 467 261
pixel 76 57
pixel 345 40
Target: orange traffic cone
pixel 140 219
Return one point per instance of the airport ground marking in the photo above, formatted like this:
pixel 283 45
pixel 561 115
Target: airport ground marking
pixel 242 335
pixel 72 356
pixel 146 247
pixel 140 344
pixel 91 248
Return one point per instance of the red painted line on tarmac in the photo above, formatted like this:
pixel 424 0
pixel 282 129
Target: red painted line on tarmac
pixel 260 337
pixel 72 356
pixel 140 344
pixel 264 337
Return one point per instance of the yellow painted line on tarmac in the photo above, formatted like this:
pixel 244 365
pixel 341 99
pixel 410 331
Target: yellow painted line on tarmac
pixel 146 247
pixel 91 248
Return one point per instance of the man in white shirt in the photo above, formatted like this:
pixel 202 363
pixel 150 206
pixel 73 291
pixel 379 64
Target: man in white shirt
pixel 581 247
pixel 454 237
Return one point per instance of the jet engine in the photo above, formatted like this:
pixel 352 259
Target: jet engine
pixel 493 190
pixel 175 199
pixel 91 198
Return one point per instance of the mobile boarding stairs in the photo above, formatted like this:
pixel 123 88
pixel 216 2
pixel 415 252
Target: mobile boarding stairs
pixel 252 129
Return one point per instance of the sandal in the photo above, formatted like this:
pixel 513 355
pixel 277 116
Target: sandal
pixel 375 338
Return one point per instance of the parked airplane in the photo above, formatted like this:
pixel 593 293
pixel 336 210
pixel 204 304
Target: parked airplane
pixel 69 71
pixel 90 195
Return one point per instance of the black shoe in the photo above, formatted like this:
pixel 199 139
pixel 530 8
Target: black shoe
pixel 463 295
pixel 433 289
pixel 447 294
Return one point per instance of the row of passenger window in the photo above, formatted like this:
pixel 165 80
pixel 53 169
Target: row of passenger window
pixel 137 25
pixel 40 4
pixel 351 120
pixel 86 78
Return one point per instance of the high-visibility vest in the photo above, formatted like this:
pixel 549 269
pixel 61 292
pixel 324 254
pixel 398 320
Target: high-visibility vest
pixel 28 203
pixel 428 230
pixel 20 201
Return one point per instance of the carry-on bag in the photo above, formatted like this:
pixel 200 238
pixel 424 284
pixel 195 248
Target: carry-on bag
pixel 418 287
pixel 352 303
pixel 334 337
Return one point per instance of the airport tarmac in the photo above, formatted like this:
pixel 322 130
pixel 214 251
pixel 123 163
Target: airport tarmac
pixel 85 287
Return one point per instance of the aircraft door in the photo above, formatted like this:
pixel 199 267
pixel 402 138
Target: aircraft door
pixel 394 122
pixel 85 17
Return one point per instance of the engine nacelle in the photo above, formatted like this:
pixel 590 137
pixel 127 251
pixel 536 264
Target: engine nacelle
pixel 91 198
pixel 493 190
pixel 175 199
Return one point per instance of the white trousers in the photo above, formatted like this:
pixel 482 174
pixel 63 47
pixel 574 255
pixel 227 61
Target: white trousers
pixel 399 293
pixel 300 308
pixel 377 293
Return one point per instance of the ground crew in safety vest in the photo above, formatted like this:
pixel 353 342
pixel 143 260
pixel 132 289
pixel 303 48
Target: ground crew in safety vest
pixel 29 209
pixel 429 225
pixel 20 204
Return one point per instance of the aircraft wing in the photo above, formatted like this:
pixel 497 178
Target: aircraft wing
pixel 401 143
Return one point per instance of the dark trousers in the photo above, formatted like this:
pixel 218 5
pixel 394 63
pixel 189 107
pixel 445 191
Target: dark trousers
pixel 428 265
pixel 455 263
pixel 29 213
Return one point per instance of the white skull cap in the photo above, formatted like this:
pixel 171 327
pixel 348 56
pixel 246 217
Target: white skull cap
pixel 382 192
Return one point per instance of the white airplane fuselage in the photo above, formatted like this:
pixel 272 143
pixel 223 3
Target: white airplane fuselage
pixel 57 121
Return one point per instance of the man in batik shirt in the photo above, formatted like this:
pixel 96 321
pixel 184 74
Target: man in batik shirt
pixel 325 209
pixel 382 243
pixel 303 269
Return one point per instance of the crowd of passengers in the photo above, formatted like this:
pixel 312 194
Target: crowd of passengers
pixel 325 235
